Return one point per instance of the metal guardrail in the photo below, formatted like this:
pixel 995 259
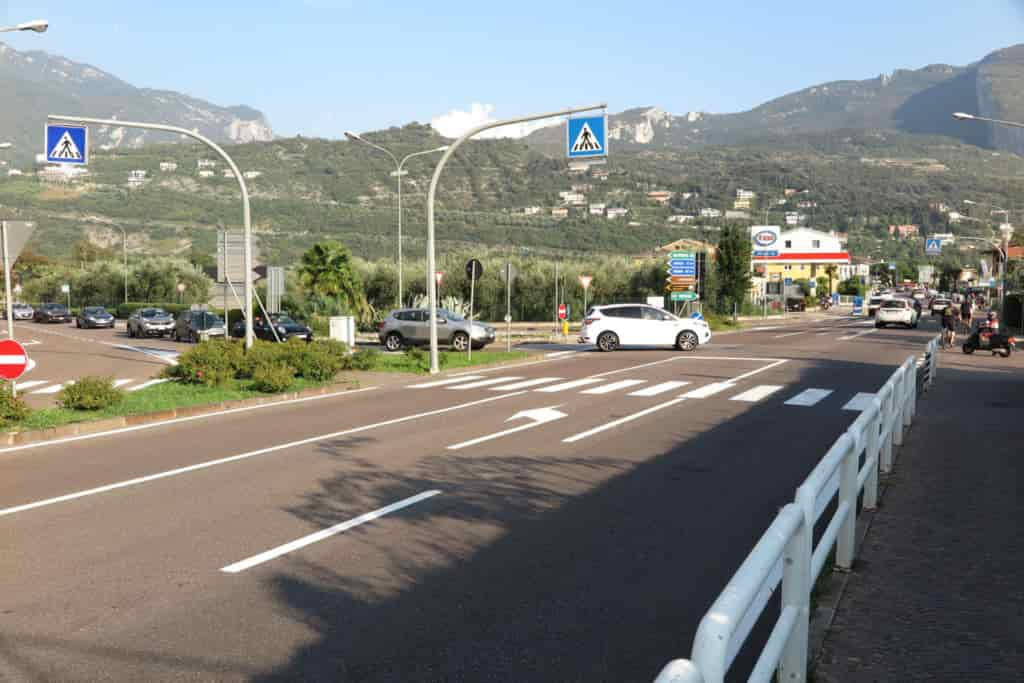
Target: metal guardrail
pixel 786 554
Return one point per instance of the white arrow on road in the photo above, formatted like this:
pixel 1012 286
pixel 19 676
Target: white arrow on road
pixel 537 417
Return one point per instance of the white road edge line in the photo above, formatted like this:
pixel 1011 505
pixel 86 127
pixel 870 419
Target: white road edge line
pixel 859 334
pixel 177 420
pixel 789 334
pixel 274 553
pixel 621 420
pixel 242 456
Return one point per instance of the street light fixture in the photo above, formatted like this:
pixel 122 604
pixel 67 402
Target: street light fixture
pixel 5 145
pixel 38 25
pixel 397 173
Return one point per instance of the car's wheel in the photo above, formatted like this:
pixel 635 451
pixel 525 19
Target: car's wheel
pixel 968 349
pixel 1005 353
pixel 460 342
pixel 192 338
pixel 687 341
pixel 393 342
pixel 608 341
pixel 879 326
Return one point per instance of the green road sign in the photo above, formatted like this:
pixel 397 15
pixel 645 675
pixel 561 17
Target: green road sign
pixel 683 296
pixel 681 254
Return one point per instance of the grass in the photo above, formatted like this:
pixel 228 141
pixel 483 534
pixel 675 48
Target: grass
pixel 152 399
pixel 719 322
pixel 402 362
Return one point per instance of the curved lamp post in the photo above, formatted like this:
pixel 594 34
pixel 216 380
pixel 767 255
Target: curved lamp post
pixel 38 25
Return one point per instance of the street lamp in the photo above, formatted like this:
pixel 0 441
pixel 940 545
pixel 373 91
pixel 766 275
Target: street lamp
pixel 39 26
pixel 124 244
pixel 397 173
pixel 5 145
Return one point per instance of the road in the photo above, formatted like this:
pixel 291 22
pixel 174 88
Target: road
pixel 568 519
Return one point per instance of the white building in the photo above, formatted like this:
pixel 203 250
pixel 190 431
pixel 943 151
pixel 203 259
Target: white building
pixel 745 194
pixel 14 172
pixel 137 174
pixel 710 213
pixel 681 218
pixel 847 270
pixel 795 218
pixel 206 173
pixel 807 204
pixel 947 238
pixel 597 209
pixel 252 174
pixel 737 215
pixel 559 212
pixel 742 204
pixel 616 212
pixel 60 173
pixel 168 166
pixel 227 173
pixel 206 163
pixel 531 210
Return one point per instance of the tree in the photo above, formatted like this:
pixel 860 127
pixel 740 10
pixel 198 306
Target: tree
pixel 831 271
pixel 328 272
pixel 733 268
pixel 84 251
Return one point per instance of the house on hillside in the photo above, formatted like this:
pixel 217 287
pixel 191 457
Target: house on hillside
pixel 560 212
pixel 681 218
pixel 745 204
pixel 616 212
pixel 531 210
pixel 710 213
pixel 251 175
pixel 660 196
pixel 206 173
pixel 168 166
pixel 904 231
pixel 737 215
pixel 745 194
pixel 136 178
pixel 597 209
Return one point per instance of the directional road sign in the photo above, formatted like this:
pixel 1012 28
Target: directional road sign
pixel 683 296
pixel 67 144
pixel 587 136
pixel 933 246
pixel 13 359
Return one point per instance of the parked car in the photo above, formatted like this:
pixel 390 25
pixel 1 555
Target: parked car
pixel 794 303
pixel 150 322
pixel 23 312
pixel 609 327
pixel 285 326
pixel 896 312
pixel 51 313
pixel 192 326
pixel 411 327
pixel 94 316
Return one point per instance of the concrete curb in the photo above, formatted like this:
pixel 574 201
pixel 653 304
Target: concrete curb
pixel 108 424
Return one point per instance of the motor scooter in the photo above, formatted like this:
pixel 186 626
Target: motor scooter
pixel 986 337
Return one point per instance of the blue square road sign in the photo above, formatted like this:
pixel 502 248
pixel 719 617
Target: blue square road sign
pixel 587 136
pixel 67 144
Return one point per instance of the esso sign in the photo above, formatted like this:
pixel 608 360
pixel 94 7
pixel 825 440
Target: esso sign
pixel 765 238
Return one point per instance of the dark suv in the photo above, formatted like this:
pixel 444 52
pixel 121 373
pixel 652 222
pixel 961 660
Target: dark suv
pixel 52 313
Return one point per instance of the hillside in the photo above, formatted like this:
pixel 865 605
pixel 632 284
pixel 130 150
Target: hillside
pixel 36 83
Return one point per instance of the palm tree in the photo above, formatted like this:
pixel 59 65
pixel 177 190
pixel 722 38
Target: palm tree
pixel 831 270
pixel 327 272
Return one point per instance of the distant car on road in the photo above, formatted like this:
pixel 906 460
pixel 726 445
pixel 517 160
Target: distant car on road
pixel 150 322
pixel 897 312
pixel 94 316
pixel 794 303
pixel 191 326
pixel 876 301
pixel 285 326
pixel 609 327
pixel 411 327
pixel 23 312
pixel 939 304
pixel 52 313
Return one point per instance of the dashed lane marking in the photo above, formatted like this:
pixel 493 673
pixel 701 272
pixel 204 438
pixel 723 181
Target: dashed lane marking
pixel 757 393
pixel 659 389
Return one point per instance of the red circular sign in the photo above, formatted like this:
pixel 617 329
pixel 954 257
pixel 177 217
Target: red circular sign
pixel 561 312
pixel 13 359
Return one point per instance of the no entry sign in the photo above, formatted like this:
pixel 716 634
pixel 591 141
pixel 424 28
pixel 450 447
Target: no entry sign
pixel 13 359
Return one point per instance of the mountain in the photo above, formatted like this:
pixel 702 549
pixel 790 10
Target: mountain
pixel 37 83
pixel 918 102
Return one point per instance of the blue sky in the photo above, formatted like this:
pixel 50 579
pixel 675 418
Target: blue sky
pixel 319 67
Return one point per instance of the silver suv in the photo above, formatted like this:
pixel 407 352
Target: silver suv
pixel 411 327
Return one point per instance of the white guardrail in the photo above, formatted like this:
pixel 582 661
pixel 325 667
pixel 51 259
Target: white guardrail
pixel 787 554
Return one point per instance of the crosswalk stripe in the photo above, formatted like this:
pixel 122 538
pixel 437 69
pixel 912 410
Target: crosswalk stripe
pixel 51 389
pixel 809 397
pixel 442 382
pixel 659 389
pixel 709 390
pixel 757 393
pixel 28 385
pixel 860 402
pixel 565 386
pixel 614 386
pixel 484 383
pixel 150 383
pixel 526 383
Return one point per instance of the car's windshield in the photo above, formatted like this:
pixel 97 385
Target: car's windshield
pixel 55 307
pixel 93 310
pixel 283 319
pixel 894 303
pixel 205 321
pixel 153 313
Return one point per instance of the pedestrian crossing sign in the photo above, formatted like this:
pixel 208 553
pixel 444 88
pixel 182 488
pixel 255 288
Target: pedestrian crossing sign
pixel 67 144
pixel 933 246
pixel 587 137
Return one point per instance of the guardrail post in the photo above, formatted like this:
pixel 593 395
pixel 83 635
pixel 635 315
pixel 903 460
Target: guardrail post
pixel 873 451
pixel 796 592
pixel 888 418
pixel 846 540
pixel 899 392
pixel 910 398
pixel 934 363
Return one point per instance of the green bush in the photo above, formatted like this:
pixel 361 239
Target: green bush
pixel 318 361
pixel 418 358
pixel 211 363
pixel 263 354
pixel 364 359
pixel 12 409
pixel 90 393
pixel 273 379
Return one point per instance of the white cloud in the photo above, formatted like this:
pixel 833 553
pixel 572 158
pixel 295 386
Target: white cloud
pixel 456 122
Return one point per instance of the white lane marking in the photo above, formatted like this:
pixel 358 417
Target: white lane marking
pixel 621 420
pixel 13 360
pixel 484 383
pixel 526 383
pixel 859 334
pixel 614 386
pixel 789 334
pixel 565 386
pixel 709 390
pixel 559 354
pixel 763 329
pixel 274 553
pixel 31 342
pixel 150 383
pixel 659 389
pixel 442 382
pixel 642 365
pixel 536 418
pixel 757 393
pixel 51 389
pixel 860 402
pixel 190 418
pixel 241 456
pixel 820 334
pixel 28 385
pixel 122 382
pixel 748 375
pixel 809 397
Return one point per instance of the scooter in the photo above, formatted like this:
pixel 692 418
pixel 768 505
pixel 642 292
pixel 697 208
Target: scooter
pixel 825 303
pixel 987 338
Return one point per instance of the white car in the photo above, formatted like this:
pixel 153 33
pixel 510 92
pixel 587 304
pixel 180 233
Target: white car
pixel 609 327
pixel 896 312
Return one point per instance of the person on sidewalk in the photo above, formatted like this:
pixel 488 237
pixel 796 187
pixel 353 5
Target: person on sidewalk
pixel 967 313
pixel 949 326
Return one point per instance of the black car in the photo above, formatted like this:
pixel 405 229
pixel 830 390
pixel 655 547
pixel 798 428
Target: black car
pixel 286 327
pixel 796 304
pixel 52 313
pixel 94 316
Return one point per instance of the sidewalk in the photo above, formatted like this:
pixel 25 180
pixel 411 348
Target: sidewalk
pixel 937 592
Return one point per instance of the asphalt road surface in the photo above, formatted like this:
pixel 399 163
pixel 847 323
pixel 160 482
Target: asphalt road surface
pixel 569 519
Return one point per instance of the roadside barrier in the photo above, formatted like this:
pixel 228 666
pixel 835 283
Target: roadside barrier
pixel 786 554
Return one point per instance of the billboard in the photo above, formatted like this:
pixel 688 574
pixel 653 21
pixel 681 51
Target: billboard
pixel 765 240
